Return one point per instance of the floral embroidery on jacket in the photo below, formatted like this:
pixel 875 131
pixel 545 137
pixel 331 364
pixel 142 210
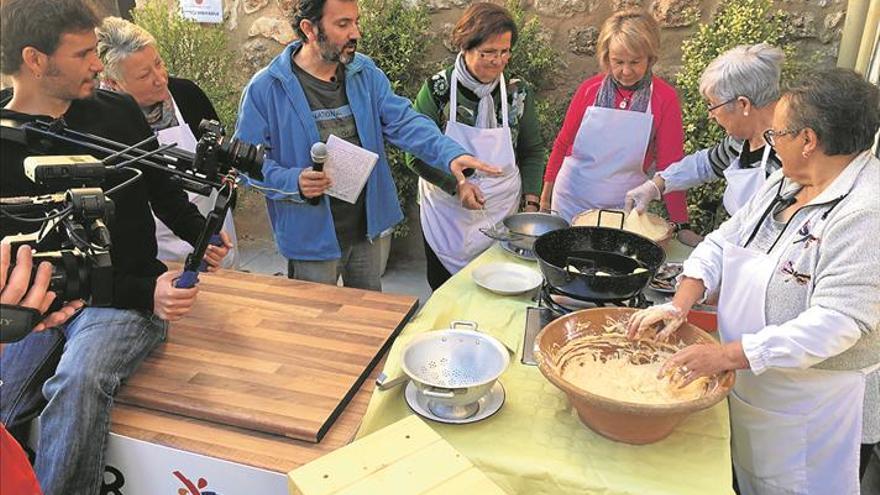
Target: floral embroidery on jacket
pixel 805 237
pixel 800 278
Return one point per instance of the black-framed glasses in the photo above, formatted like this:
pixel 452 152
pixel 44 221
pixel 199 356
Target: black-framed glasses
pixel 770 135
pixel 712 108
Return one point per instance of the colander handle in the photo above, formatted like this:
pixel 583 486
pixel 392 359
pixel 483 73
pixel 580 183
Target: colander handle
pixel 438 395
pixel 471 325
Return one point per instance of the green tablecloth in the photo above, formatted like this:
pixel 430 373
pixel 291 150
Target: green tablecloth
pixel 535 444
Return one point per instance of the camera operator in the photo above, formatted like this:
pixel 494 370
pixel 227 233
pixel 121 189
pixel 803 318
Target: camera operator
pixel 16 474
pixel 49 49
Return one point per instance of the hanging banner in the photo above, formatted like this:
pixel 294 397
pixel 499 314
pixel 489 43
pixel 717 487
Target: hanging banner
pixel 202 10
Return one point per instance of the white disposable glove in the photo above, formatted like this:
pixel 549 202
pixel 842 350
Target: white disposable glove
pixel 643 324
pixel 641 196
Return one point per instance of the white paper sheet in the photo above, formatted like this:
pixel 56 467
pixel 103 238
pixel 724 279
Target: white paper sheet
pixel 209 11
pixel 349 166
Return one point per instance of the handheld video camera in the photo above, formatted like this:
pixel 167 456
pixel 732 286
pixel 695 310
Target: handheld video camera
pixel 81 266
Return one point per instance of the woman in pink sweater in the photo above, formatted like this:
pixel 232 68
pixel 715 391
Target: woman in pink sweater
pixel 619 124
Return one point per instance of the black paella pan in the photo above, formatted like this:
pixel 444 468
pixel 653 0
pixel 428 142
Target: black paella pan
pixel 598 263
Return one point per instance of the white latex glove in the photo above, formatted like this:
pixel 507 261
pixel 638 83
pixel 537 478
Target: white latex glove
pixel 641 196
pixel 644 323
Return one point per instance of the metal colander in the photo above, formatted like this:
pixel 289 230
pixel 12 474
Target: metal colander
pixel 444 375
pixel 454 367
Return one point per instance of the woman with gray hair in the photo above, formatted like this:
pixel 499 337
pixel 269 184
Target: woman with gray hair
pixel 741 87
pixel 173 107
pixel 798 273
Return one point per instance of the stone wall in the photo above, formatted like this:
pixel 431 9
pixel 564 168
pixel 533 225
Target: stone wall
pixel 259 29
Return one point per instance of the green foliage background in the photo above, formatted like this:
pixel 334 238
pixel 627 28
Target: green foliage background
pixel 736 22
pixel 536 61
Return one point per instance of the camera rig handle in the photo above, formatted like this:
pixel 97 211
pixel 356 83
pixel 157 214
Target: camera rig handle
pixel 210 236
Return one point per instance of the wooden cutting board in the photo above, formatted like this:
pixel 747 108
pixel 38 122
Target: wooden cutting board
pixel 269 354
pixel 251 448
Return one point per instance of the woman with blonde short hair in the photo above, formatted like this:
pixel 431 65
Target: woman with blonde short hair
pixel 620 123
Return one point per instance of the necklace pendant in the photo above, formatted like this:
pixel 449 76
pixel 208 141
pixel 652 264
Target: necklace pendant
pixel 622 105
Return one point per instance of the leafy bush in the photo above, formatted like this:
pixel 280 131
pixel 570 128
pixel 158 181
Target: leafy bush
pixel 395 36
pixel 534 59
pixel 737 22
pixel 194 51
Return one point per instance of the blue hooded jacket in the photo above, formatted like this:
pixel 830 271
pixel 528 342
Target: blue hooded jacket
pixel 274 111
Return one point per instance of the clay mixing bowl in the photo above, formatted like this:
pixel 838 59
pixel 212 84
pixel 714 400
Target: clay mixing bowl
pixel 627 422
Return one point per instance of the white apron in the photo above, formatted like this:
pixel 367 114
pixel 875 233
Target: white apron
pixel 606 161
pixel 171 247
pixel 453 231
pixel 794 431
pixel 743 183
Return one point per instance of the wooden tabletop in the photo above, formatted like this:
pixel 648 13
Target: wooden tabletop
pixel 270 354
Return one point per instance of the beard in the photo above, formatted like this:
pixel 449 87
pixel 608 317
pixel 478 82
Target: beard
pixel 60 86
pixel 332 53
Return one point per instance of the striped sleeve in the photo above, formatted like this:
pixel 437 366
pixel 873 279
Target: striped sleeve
pixel 722 154
pixel 773 164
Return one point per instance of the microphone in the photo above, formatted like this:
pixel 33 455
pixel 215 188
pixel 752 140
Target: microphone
pixel 319 156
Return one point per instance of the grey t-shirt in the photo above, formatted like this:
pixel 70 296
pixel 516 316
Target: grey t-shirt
pixel 332 114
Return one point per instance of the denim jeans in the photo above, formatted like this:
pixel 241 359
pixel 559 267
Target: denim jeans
pixel 71 374
pixel 359 267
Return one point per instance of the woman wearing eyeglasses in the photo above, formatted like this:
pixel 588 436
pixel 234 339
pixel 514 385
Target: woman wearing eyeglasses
pixel 741 87
pixel 492 117
pixel 619 124
pixel 798 272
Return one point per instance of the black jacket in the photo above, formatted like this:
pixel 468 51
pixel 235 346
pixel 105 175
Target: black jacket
pixel 193 103
pixel 133 232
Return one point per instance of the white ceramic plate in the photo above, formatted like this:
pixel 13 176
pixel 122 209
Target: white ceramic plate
pixel 507 279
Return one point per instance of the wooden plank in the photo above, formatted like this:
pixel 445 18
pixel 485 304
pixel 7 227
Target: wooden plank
pixel 267 353
pixel 471 481
pixel 404 458
pixel 416 473
pixel 367 456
